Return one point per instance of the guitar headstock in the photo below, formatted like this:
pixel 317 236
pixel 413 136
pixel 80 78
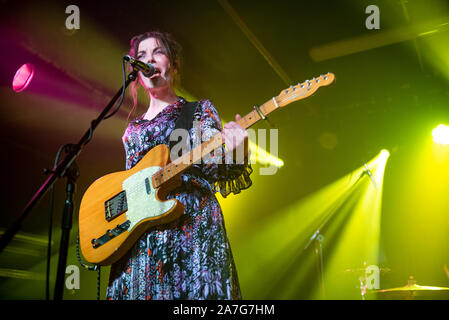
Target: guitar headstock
pixel 303 90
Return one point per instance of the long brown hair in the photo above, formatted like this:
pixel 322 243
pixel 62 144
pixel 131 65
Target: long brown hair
pixel 172 49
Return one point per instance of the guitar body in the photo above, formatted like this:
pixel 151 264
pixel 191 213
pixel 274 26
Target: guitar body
pixel 105 237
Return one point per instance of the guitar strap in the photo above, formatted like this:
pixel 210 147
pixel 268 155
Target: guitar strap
pixel 185 120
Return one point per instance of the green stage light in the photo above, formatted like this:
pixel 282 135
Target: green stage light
pixel 441 134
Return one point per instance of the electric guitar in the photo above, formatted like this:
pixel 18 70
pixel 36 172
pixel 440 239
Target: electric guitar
pixel 118 208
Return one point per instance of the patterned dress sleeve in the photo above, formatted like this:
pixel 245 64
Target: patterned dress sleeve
pixel 130 151
pixel 225 176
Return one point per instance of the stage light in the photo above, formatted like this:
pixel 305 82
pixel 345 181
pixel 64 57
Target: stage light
pixel 384 154
pixel 23 77
pixel 441 134
pixel 263 157
pixel 347 212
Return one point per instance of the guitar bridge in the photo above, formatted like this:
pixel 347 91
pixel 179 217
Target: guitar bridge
pixel 115 206
pixel 110 234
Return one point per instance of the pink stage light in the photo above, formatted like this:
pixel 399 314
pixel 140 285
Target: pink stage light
pixel 23 77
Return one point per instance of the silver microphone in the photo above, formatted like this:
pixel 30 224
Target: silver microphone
pixel 147 68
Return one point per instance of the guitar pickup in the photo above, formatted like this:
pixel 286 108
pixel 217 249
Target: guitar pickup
pixel 115 206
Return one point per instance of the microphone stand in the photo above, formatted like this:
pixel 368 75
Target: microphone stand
pixel 318 237
pixel 67 218
pixel 66 168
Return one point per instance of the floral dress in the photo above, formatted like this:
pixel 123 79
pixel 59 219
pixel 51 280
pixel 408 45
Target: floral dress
pixel 189 258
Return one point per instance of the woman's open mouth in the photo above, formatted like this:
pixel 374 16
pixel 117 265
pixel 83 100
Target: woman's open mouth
pixel 156 73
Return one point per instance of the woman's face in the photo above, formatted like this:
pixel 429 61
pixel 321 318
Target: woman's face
pixel 151 51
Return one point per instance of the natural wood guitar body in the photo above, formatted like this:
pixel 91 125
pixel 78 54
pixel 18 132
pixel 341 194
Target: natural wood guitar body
pixel 149 208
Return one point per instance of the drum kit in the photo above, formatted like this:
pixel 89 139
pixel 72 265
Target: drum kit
pixel 411 291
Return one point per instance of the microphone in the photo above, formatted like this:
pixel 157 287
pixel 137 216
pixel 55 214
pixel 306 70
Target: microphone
pixel 146 68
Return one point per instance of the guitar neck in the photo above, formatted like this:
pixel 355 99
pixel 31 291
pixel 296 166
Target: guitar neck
pixel 286 97
pixel 197 153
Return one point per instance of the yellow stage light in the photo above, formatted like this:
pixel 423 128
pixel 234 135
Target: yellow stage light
pixel 441 134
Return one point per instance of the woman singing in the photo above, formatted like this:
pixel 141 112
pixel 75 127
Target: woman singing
pixel 189 258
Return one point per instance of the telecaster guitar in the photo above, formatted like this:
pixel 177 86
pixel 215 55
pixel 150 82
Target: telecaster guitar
pixel 119 207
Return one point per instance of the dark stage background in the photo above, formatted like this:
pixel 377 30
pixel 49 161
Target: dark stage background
pixel 391 90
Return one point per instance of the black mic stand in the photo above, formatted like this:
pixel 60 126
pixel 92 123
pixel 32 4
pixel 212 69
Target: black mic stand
pixel 67 218
pixel 62 170
pixel 318 237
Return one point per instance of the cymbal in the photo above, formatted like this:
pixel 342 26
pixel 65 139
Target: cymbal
pixel 412 291
pixel 414 287
pixel 363 270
